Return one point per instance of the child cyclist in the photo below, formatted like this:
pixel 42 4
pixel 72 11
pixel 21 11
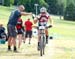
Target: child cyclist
pixel 43 19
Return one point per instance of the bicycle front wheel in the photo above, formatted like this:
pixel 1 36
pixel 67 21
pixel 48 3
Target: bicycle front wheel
pixel 42 45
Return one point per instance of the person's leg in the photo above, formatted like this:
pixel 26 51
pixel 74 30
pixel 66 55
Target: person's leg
pixel 9 43
pixel 9 37
pixel 20 40
pixel 14 44
pixel 14 35
pixel 46 32
pixel 30 36
pixel 26 34
pixel 38 39
pixel 29 40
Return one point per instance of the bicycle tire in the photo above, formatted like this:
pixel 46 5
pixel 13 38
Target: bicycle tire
pixel 42 45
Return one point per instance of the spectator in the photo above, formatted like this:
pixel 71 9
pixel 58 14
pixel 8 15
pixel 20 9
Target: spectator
pixel 28 28
pixel 2 29
pixel 19 28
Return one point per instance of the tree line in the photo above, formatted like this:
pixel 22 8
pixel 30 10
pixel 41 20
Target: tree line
pixel 65 8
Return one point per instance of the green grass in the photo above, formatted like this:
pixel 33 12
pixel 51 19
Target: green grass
pixel 62 47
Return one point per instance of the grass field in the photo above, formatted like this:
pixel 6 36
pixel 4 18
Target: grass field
pixel 61 47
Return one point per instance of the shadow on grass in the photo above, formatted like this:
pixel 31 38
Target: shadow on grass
pixel 18 54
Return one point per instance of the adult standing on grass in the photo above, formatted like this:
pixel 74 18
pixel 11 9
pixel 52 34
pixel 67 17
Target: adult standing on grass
pixel 28 29
pixel 12 24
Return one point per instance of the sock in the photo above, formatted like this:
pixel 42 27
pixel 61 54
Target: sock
pixel 46 38
pixel 38 43
pixel 15 48
pixel 9 48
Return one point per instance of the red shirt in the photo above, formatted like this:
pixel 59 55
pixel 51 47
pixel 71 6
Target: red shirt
pixel 28 25
pixel 19 24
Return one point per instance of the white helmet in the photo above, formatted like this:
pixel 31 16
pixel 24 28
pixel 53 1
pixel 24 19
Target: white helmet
pixel 43 9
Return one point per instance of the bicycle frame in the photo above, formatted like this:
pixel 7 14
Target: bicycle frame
pixel 42 40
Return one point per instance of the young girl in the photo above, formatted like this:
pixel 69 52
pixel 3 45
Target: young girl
pixel 19 28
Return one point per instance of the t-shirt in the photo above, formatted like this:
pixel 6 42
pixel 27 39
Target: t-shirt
pixel 28 25
pixel 19 24
pixel 14 17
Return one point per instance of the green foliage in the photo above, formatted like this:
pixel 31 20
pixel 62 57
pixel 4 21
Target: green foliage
pixel 29 4
pixel 43 3
pixel 60 9
pixel 70 12
pixel 12 2
pixel 53 9
pixel 6 2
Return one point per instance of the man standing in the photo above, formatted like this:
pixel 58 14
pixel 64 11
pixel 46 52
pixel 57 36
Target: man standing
pixel 12 24
pixel 28 28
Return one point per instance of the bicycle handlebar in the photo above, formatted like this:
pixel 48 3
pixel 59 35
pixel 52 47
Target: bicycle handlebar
pixel 42 28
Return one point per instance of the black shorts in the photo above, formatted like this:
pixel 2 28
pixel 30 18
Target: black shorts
pixel 19 31
pixel 41 25
pixel 28 34
pixel 11 31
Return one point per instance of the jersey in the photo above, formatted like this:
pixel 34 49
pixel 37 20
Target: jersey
pixel 43 19
pixel 19 24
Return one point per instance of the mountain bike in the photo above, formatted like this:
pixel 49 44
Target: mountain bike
pixel 42 39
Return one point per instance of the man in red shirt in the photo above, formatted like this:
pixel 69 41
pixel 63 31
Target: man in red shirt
pixel 28 28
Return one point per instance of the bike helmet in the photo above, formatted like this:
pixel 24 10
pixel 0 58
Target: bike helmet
pixel 43 9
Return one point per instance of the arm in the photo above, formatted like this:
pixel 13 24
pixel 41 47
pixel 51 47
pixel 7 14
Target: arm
pixel 51 21
pixel 25 26
pixel 35 20
pixel 22 26
pixel 24 13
